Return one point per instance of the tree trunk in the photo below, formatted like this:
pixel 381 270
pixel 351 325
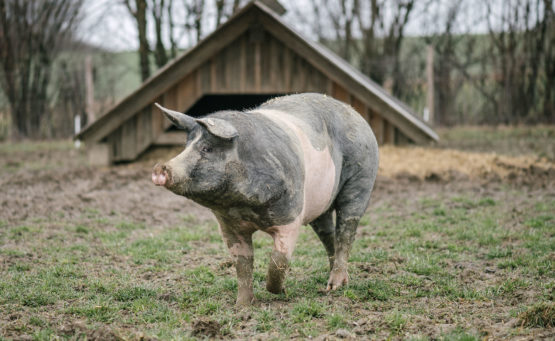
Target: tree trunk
pixel 144 49
pixel 173 44
pixel 160 55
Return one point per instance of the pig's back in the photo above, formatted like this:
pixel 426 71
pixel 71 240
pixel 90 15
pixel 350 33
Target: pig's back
pixel 323 116
pixel 329 121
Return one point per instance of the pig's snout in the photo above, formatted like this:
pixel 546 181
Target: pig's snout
pixel 161 175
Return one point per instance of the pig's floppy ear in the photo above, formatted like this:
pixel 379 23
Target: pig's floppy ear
pixel 180 120
pixel 220 128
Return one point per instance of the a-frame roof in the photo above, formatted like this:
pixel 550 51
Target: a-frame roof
pixel 255 12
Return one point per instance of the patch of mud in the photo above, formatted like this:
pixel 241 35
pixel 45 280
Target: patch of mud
pixel 71 192
pixel 206 327
pixel 74 330
pixel 78 330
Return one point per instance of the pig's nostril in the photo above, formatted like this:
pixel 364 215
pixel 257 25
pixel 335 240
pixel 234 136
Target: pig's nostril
pixel 159 179
pixel 161 175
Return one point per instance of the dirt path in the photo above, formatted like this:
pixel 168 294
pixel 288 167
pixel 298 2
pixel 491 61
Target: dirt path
pixel 64 185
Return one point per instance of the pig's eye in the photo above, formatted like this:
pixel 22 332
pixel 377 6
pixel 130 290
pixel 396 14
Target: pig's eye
pixel 206 149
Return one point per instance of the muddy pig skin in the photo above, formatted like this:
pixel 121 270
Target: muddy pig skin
pixel 292 161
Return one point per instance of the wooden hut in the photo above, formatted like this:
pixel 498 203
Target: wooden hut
pixel 251 58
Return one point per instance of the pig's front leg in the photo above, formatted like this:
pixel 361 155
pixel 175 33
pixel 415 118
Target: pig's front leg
pixel 285 238
pixel 239 244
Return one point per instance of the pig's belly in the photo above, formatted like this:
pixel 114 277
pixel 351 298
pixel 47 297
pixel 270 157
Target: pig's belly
pixel 319 182
pixel 320 175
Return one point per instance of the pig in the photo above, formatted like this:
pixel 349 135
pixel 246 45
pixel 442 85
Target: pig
pixel 294 160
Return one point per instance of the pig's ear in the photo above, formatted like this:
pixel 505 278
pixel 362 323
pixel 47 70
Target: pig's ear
pixel 220 128
pixel 180 120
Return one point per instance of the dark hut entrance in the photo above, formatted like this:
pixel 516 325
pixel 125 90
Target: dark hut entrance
pixel 210 103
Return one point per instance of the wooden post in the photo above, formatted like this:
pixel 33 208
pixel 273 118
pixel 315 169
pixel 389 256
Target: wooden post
pixel 388 85
pixel 89 89
pixel 430 98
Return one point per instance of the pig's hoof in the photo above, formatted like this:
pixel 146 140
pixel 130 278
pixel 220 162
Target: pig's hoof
pixel 274 281
pixel 275 288
pixel 276 273
pixel 338 278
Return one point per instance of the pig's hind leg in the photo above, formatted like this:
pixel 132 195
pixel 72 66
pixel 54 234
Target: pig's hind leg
pixel 350 205
pixel 325 229
pixel 241 250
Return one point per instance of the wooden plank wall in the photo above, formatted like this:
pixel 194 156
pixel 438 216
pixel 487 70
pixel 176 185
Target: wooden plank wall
pixel 258 67
pixel 385 132
pixel 140 131
pixel 248 65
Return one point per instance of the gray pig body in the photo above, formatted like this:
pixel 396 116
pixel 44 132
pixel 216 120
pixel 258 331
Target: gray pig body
pixel 292 161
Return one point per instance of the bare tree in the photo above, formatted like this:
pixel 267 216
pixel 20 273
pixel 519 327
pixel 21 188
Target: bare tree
pixel 138 9
pixel 222 9
pixel 194 10
pixel 32 34
pixel 382 25
pixel 518 36
pixel 548 105
pixel 367 33
pixel 514 65
pixel 160 54
pixel 368 26
pixel 445 43
pixel 401 12
pixel 342 15
pixel 171 29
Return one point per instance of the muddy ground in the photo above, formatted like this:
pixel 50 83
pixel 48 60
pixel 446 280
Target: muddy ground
pixel 39 180
pixel 49 181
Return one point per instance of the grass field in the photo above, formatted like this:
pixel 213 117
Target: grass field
pixel 103 254
pixel 513 141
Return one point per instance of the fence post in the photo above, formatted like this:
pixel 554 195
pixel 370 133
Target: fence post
pixel 77 129
pixel 430 98
pixel 89 89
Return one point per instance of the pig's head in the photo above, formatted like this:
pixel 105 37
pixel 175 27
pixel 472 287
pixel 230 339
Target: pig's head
pixel 200 170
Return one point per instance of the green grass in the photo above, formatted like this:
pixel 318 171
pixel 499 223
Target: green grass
pixel 513 141
pixel 539 315
pixel 396 322
pixel 30 146
pixel 143 279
